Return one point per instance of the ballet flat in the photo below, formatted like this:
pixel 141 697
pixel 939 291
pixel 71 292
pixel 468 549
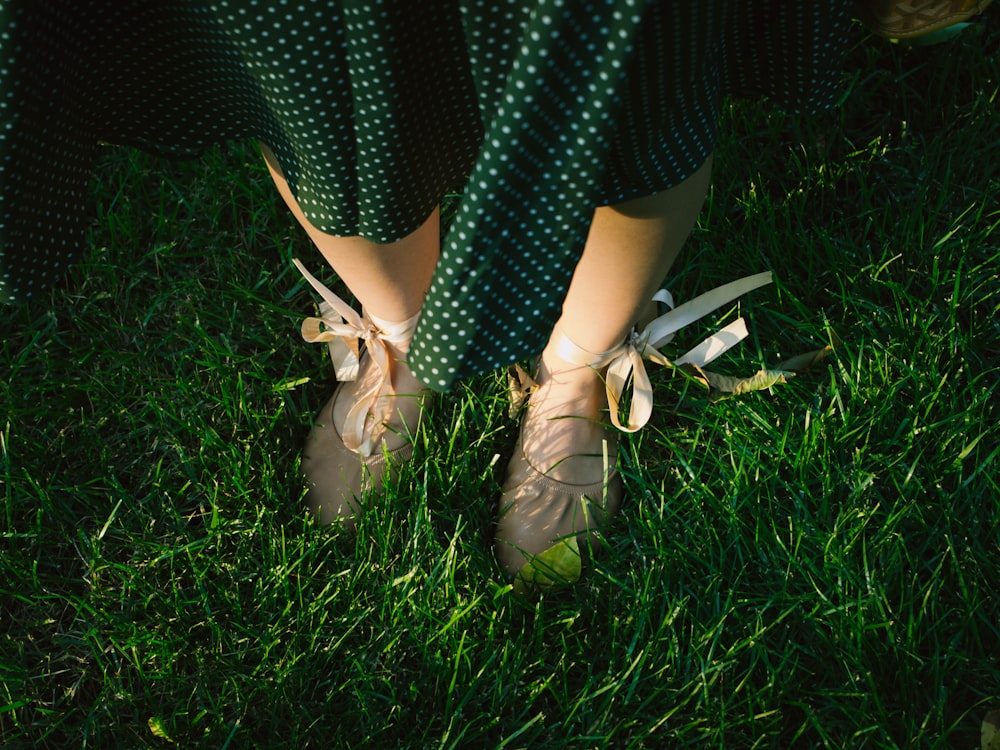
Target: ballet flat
pixel 344 465
pixel 547 528
pixel 338 477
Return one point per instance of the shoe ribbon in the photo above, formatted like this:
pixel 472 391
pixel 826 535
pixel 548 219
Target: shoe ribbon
pixel 344 331
pixel 627 359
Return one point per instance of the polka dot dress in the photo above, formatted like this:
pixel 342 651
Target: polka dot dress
pixel 535 110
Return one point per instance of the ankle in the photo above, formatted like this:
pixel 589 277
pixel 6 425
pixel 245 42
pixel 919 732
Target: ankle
pixel 575 391
pixel 564 427
pixel 555 369
pixel 569 402
pixel 397 335
pixel 566 353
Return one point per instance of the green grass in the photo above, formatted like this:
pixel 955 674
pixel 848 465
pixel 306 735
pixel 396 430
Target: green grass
pixel 814 567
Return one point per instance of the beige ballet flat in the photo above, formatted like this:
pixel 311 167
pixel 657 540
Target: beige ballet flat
pixel 344 465
pixel 544 526
pixel 339 477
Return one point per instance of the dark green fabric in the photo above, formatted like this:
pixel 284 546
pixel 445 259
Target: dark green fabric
pixel 537 110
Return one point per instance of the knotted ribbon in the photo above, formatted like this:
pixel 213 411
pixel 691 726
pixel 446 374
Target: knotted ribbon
pixel 627 358
pixel 344 331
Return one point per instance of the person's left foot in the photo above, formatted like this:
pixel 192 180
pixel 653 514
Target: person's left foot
pixel 562 483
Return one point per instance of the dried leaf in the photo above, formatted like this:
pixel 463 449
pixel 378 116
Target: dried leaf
pixel 156 727
pixel 557 566
pixel 695 373
pixel 759 381
pixel 991 731
pixel 723 386
pixel 521 385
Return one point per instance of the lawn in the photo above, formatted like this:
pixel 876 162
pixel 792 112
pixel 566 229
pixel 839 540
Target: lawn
pixel 814 566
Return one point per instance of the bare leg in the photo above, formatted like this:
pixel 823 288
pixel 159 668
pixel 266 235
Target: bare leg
pixel 629 250
pixel 390 281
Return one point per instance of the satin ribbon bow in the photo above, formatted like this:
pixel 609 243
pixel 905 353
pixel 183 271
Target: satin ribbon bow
pixel 628 359
pixel 344 331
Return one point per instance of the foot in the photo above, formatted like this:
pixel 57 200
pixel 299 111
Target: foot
pixel 560 488
pixel 398 409
pixel 365 430
pixel 563 431
pixel 339 476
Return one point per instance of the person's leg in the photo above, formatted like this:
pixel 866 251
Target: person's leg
pixel 629 249
pixel 390 281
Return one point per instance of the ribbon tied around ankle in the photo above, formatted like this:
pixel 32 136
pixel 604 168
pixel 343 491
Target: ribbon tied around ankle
pixel 344 331
pixel 627 359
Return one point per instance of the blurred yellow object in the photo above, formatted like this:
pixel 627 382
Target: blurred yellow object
pixel 991 731
pixel 910 19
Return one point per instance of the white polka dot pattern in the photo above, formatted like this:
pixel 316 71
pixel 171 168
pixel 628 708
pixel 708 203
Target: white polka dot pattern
pixel 537 110
pixel 591 103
